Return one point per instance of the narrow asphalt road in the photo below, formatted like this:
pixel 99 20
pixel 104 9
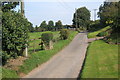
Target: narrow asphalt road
pixel 65 64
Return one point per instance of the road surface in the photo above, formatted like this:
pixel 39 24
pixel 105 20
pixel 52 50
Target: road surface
pixel 65 64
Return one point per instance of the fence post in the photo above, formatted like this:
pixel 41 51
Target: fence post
pixel 26 51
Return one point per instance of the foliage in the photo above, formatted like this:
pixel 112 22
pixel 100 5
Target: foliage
pixel 95 25
pixel 64 34
pixel 81 17
pixel 7 6
pixel 108 13
pixel 102 34
pixel 43 26
pixel 94 34
pixel 50 25
pixel 101 61
pixel 58 25
pixel 30 27
pixel 113 38
pixel 14 33
pixel 42 56
pixel 46 38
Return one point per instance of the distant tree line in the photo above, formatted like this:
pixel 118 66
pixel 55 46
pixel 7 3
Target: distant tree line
pixel 51 26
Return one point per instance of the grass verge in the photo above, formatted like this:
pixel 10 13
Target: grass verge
pixel 101 61
pixel 7 73
pixel 94 34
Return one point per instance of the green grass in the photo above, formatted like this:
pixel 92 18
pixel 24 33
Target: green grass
pixel 43 56
pixel 101 61
pixel 94 34
pixel 34 44
pixel 7 73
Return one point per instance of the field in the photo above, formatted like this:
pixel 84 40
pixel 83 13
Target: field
pixel 94 34
pixel 37 58
pixel 34 40
pixel 101 61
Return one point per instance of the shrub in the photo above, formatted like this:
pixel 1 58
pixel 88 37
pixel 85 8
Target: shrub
pixel 46 38
pixel 14 33
pixel 64 34
pixel 103 34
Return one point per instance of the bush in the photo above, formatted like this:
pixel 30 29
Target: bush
pixel 102 34
pixel 64 34
pixel 46 38
pixel 14 33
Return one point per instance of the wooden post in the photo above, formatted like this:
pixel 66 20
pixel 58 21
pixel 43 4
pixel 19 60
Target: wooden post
pixel 26 51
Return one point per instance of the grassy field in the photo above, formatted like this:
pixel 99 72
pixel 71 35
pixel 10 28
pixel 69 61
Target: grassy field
pixel 94 34
pixel 38 57
pixel 101 61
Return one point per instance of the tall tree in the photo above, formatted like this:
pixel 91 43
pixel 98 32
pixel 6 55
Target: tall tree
pixel 50 25
pixel 43 26
pixel 109 14
pixel 81 17
pixel 58 25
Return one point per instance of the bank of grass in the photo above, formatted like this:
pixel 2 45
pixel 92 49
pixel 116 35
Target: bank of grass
pixel 7 73
pixel 94 34
pixel 42 56
pixel 101 61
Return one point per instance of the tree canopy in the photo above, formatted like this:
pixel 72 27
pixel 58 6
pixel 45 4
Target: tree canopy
pixel 109 14
pixel 50 25
pixel 58 25
pixel 81 17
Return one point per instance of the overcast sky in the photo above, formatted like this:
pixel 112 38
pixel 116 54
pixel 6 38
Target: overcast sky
pixel 39 10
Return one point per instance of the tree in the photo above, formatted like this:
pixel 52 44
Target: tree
pixel 43 26
pixel 7 6
pixel 15 29
pixel 58 25
pixel 50 25
pixel 81 17
pixel 30 27
pixel 109 14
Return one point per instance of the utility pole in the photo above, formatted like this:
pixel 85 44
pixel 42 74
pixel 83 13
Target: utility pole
pixel 22 7
pixel 95 14
pixel 23 13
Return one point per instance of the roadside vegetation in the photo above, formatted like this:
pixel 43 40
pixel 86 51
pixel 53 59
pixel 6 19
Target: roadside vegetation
pixel 94 34
pixel 102 55
pixel 37 58
pixel 42 56
pixel 101 61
